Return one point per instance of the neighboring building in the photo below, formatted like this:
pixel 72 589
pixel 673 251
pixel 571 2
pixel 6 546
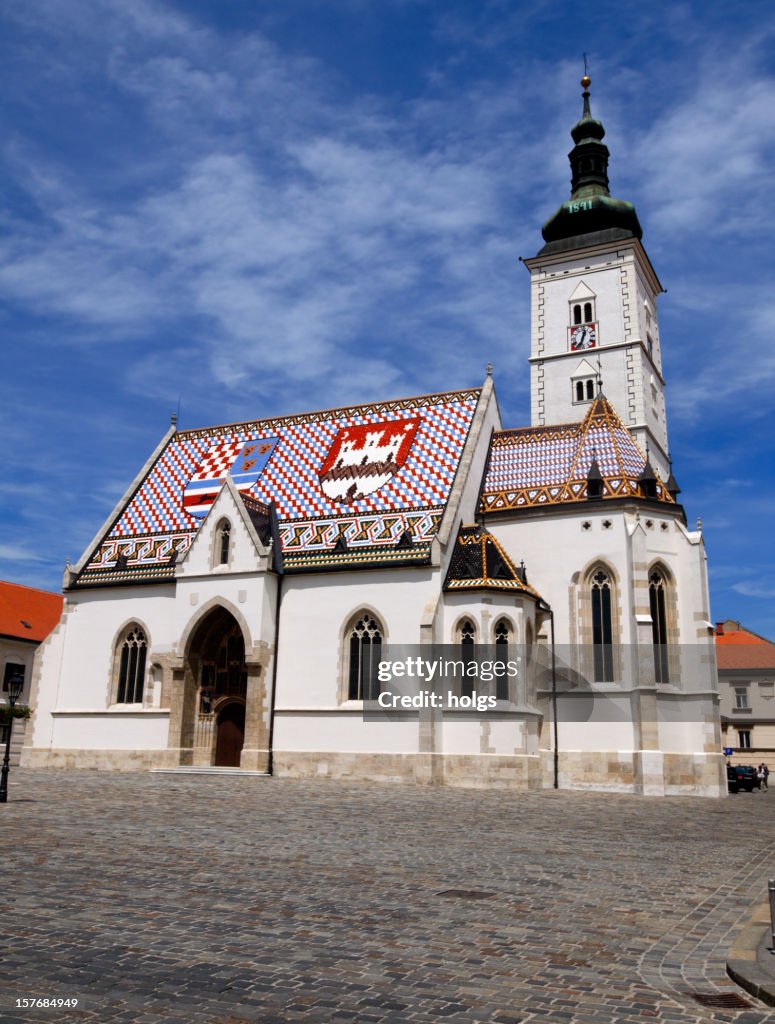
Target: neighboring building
pixel 746 682
pixel 27 616
pixel 233 609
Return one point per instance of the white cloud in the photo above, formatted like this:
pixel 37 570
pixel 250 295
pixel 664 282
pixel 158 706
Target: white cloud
pixel 764 590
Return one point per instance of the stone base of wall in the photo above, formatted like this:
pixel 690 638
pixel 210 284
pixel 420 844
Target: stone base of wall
pixel 698 774
pixel 645 772
pixel 651 773
pixel 100 760
pixel 482 771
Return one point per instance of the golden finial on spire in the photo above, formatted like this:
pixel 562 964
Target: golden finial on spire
pixel 586 81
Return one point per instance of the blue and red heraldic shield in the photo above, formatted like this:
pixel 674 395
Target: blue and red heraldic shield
pixel 364 458
pixel 244 459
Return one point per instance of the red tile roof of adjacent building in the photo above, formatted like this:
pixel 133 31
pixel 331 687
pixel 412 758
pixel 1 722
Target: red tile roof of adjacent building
pixel 739 648
pixel 27 613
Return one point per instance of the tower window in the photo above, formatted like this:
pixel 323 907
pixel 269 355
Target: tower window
pixel 583 390
pixel 577 313
pixel 587 312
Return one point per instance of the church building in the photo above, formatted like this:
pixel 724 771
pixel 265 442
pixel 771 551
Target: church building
pixel 234 610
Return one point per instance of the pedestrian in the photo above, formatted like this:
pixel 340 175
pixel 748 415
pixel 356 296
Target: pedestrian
pixel 762 777
pixel 766 776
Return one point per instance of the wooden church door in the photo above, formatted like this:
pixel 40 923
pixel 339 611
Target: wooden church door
pixel 231 735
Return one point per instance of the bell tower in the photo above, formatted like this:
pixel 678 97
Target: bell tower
pixel 594 305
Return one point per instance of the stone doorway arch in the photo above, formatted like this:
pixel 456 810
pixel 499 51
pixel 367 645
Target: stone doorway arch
pixel 219 664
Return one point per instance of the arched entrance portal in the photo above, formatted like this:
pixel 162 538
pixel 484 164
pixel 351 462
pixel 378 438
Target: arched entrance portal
pixel 217 664
pixel 230 734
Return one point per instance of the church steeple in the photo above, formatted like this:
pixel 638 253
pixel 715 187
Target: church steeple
pixel 595 301
pixel 589 157
pixel 592 214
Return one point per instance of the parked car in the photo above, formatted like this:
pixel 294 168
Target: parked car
pixel 742 776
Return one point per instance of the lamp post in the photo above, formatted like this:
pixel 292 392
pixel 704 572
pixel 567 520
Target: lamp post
pixel 15 686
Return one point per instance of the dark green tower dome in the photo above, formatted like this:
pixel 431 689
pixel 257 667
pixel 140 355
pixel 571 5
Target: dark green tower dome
pixel 591 215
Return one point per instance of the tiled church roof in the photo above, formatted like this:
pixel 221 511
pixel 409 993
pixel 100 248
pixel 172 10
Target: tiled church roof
pixel 357 486
pixel 540 466
pixel 479 562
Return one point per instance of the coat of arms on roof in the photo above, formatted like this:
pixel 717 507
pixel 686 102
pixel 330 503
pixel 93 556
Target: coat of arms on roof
pixel 244 458
pixel 364 458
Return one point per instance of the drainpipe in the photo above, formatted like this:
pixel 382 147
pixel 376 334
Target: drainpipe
pixel 554 707
pixel 277 556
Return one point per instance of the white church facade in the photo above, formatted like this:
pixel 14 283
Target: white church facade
pixel 234 608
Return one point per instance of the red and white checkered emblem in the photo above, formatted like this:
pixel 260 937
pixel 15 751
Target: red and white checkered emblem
pixel 364 458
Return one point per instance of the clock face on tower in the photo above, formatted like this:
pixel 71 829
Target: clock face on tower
pixel 582 337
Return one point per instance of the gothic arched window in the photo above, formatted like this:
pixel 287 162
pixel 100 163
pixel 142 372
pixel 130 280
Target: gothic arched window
pixel 466 638
pixel 222 542
pixel 587 312
pixel 657 604
pixel 365 652
pixel 131 671
pixel 602 626
pixel 503 637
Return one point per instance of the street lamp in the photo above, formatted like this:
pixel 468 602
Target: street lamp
pixel 15 687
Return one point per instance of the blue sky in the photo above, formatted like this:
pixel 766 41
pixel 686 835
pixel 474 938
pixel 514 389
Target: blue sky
pixel 248 209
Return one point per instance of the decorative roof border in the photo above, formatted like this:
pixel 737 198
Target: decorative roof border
pixel 369 409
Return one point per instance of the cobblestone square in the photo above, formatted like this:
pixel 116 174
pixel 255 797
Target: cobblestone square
pixel 215 899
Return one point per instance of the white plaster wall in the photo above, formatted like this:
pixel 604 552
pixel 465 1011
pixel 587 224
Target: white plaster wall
pixel 77 661
pixel 94 621
pixel 485 608
pixel 595 736
pixel 344 733
pixel 317 609
pixel 560 547
pixel 249 597
pixel 465 735
pixel 146 730
pixel 680 737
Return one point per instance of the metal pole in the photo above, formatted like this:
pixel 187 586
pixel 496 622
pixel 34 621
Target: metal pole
pixel 771 887
pixel 554 711
pixel 6 762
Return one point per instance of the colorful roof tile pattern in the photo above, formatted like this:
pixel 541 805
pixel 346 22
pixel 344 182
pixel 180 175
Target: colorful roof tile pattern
pixel 479 562
pixel 540 466
pixel 369 474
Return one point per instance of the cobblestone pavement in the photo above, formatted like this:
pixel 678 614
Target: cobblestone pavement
pixel 218 899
